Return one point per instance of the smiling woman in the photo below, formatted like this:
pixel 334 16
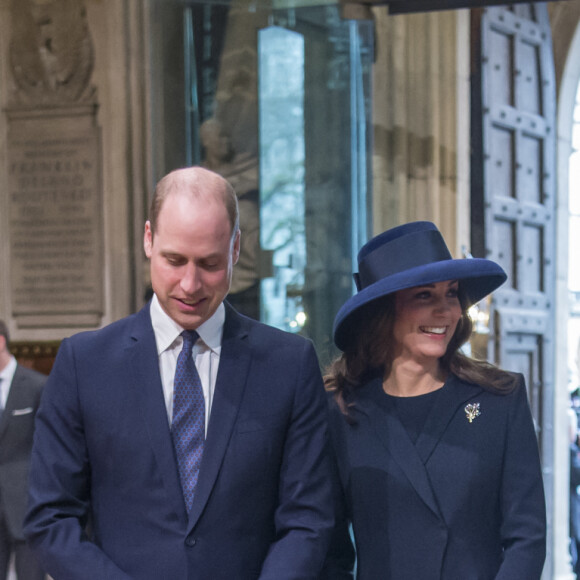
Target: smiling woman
pixel 417 426
pixel 425 321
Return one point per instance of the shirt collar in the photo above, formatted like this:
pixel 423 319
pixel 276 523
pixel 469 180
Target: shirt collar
pixel 167 330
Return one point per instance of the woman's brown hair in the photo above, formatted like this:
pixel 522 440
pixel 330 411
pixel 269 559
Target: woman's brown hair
pixel 370 355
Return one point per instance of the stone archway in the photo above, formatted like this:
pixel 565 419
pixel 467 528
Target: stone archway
pixel 565 23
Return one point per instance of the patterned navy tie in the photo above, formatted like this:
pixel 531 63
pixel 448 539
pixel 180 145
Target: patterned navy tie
pixel 188 424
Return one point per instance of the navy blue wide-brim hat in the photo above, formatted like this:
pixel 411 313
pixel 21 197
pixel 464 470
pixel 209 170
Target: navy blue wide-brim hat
pixel 406 256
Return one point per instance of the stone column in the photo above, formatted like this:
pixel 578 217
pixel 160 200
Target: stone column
pixel 565 23
pixel 421 109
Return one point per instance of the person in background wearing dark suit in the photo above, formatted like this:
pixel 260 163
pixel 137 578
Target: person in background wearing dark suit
pixel 20 390
pixel 192 439
pixel 436 452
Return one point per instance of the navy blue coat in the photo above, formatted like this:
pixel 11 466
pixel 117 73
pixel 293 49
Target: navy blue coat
pixel 103 454
pixel 466 501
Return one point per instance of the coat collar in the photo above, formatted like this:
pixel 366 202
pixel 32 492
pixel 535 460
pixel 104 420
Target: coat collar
pixel 412 458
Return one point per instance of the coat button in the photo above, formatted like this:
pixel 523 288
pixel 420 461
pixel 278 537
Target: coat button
pixel 190 542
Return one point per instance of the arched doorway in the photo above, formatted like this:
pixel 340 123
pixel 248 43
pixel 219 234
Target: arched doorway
pixel 568 276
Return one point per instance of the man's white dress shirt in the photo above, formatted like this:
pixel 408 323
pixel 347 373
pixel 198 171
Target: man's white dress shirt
pixel 206 352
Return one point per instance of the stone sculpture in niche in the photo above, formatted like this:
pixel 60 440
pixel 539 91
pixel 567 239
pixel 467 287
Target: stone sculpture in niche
pixel 51 52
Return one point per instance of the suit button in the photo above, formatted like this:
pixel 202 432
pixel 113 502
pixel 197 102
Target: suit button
pixel 190 542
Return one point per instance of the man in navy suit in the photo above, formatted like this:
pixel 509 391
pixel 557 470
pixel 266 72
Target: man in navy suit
pixel 106 497
pixel 20 390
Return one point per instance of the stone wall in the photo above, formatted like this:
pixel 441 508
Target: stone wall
pixel 73 157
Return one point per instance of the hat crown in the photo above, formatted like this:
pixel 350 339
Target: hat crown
pixel 399 249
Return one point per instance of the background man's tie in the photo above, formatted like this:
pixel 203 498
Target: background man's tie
pixel 188 424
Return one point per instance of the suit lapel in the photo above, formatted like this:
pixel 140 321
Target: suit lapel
pixel 144 366
pixel 230 385
pixel 16 399
pixel 231 380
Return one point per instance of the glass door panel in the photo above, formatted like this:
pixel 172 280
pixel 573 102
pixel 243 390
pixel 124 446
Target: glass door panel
pixel 277 99
pixel 282 184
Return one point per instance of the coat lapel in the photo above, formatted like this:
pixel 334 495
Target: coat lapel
pixel 144 366
pixel 392 434
pixel 230 385
pixel 411 458
pixel 454 395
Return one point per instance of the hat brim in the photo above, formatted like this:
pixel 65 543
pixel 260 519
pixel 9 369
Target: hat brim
pixel 478 277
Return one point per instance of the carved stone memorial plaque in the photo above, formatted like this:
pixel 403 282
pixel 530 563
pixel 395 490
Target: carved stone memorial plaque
pixel 54 168
pixel 55 224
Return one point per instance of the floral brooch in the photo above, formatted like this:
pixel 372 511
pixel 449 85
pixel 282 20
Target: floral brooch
pixel 472 411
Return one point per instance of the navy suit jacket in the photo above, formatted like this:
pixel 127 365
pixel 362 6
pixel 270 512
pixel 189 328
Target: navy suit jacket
pixel 103 456
pixel 464 502
pixel 16 433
